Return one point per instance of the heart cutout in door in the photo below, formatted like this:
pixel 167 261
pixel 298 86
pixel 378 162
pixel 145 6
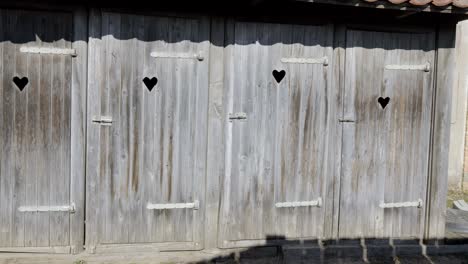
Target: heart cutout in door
pixel 150 83
pixel 20 82
pixel 279 75
pixel 383 101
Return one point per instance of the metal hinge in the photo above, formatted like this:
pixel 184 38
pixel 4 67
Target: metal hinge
pixel 197 56
pixel 417 204
pixel 422 67
pixel 103 120
pixel 237 116
pixel 346 120
pixel 195 206
pixel 313 203
pixel 60 208
pixel 50 51
pixel 323 60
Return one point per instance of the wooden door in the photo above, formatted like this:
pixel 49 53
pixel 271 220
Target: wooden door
pixel 278 104
pixel 147 130
pixel 386 133
pixel 35 131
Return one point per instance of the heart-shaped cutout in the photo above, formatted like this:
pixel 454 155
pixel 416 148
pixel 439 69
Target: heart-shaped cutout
pixel 279 75
pixel 20 82
pixel 150 83
pixel 383 101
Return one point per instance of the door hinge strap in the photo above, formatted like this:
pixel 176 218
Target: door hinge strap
pixel 237 116
pixel 313 203
pixel 196 56
pixel 50 51
pixel 417 204
pixel 323 60
pixel 195 206
pixel 423 67
pixel 60 208
pixel 103 120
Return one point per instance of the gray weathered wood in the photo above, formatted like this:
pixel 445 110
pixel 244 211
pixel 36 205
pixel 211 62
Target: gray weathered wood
pixel 451 70
pixel 385 151
pixel 78 129
pixel 36 167
pixel 93 214
pixel 277 153
pixel 215 147
pixel 155 149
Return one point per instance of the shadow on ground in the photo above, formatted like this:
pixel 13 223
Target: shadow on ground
pixel 279 250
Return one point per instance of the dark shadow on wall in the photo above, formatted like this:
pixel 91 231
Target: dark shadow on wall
pixel 34 19
pixel 278 250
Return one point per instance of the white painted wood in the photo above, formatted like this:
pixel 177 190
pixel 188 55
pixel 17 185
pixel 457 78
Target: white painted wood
pixel 49 51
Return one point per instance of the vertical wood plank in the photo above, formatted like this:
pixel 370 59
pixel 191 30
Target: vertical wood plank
pixel 78 129
pixel 447 73
pixel 44 134
pixel 20 130
pixel 93 213
pixel 3 179
pixel 216 119
pixel 34 73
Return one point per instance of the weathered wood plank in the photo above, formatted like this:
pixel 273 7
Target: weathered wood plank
pixel 78 129
pixel 336 112
pixel 385 150
pixel 93 157
pixel 275 155
pixel 451 70
pixel 156 147
pixel 19 136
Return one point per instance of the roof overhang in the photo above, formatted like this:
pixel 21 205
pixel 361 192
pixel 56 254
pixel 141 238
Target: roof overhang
pixel 417 6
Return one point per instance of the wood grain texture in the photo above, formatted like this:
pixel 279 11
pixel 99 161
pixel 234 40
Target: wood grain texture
pixel 385 152
pixel 35 166
pixel 155 149
pixel 451 70
pixel 280 153
pixel 215 147
pixel 78 129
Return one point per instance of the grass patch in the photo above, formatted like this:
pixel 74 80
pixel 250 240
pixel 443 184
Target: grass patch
pixel 456 194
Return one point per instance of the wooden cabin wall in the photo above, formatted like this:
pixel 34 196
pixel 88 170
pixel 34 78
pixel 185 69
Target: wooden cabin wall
pixel 196 111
